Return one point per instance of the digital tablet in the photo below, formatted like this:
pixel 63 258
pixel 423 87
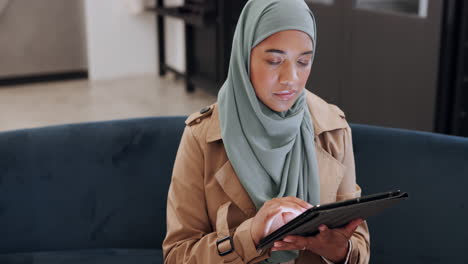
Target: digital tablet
pixel 334 215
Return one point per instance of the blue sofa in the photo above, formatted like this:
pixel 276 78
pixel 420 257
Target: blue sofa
pixel 96 192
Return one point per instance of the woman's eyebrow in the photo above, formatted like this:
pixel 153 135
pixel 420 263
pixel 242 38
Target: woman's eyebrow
pixel 282 52
pixel 275 51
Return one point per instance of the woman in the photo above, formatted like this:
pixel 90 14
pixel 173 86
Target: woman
pixel 267 152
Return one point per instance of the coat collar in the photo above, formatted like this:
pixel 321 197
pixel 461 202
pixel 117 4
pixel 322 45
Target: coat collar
pixel 326 117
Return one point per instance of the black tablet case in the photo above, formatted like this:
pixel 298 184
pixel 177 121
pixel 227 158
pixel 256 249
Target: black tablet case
pixel 334 215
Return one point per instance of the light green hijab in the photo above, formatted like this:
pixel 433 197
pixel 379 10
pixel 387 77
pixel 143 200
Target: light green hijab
pixel 272 153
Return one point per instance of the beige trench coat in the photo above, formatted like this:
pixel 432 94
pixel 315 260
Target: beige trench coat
pixel 206 201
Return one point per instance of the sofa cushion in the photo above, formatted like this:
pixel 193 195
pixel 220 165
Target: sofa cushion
pixel 86 256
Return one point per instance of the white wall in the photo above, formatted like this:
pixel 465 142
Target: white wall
pixel 118 43
pixel 175 39
pixel 175 43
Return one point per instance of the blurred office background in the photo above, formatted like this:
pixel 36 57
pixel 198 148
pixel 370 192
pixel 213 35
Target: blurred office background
pixel 395 63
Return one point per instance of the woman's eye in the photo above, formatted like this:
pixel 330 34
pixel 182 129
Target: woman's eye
pixel 304 63
pixel 273 62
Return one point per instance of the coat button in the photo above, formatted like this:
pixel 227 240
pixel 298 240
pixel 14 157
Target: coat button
pixel 205 109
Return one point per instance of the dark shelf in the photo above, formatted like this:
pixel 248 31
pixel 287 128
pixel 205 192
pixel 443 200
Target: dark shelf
pixel 209 29
pixel 189 17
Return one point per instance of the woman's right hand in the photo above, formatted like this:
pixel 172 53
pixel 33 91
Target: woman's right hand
pixel 274 214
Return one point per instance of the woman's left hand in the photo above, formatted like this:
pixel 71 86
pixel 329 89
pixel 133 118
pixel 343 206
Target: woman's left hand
pixel 331 244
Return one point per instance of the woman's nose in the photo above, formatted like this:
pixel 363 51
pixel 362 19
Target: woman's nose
pixel 288 75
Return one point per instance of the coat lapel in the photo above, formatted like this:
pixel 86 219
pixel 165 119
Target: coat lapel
pixel 231 185
pixel 326 117
pixel 331 172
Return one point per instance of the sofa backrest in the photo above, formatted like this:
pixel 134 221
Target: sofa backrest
pixel 431 226
pixel 105 184
pixel 87 185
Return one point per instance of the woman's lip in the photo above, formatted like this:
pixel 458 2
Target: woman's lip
pixel 285 96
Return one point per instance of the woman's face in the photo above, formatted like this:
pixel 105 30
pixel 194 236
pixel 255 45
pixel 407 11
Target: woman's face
pixel 279 68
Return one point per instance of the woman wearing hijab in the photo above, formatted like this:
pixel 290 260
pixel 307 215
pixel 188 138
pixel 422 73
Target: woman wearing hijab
pixel 265 153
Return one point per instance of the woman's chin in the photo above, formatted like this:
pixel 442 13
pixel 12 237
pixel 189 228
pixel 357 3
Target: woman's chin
pixel 281 106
